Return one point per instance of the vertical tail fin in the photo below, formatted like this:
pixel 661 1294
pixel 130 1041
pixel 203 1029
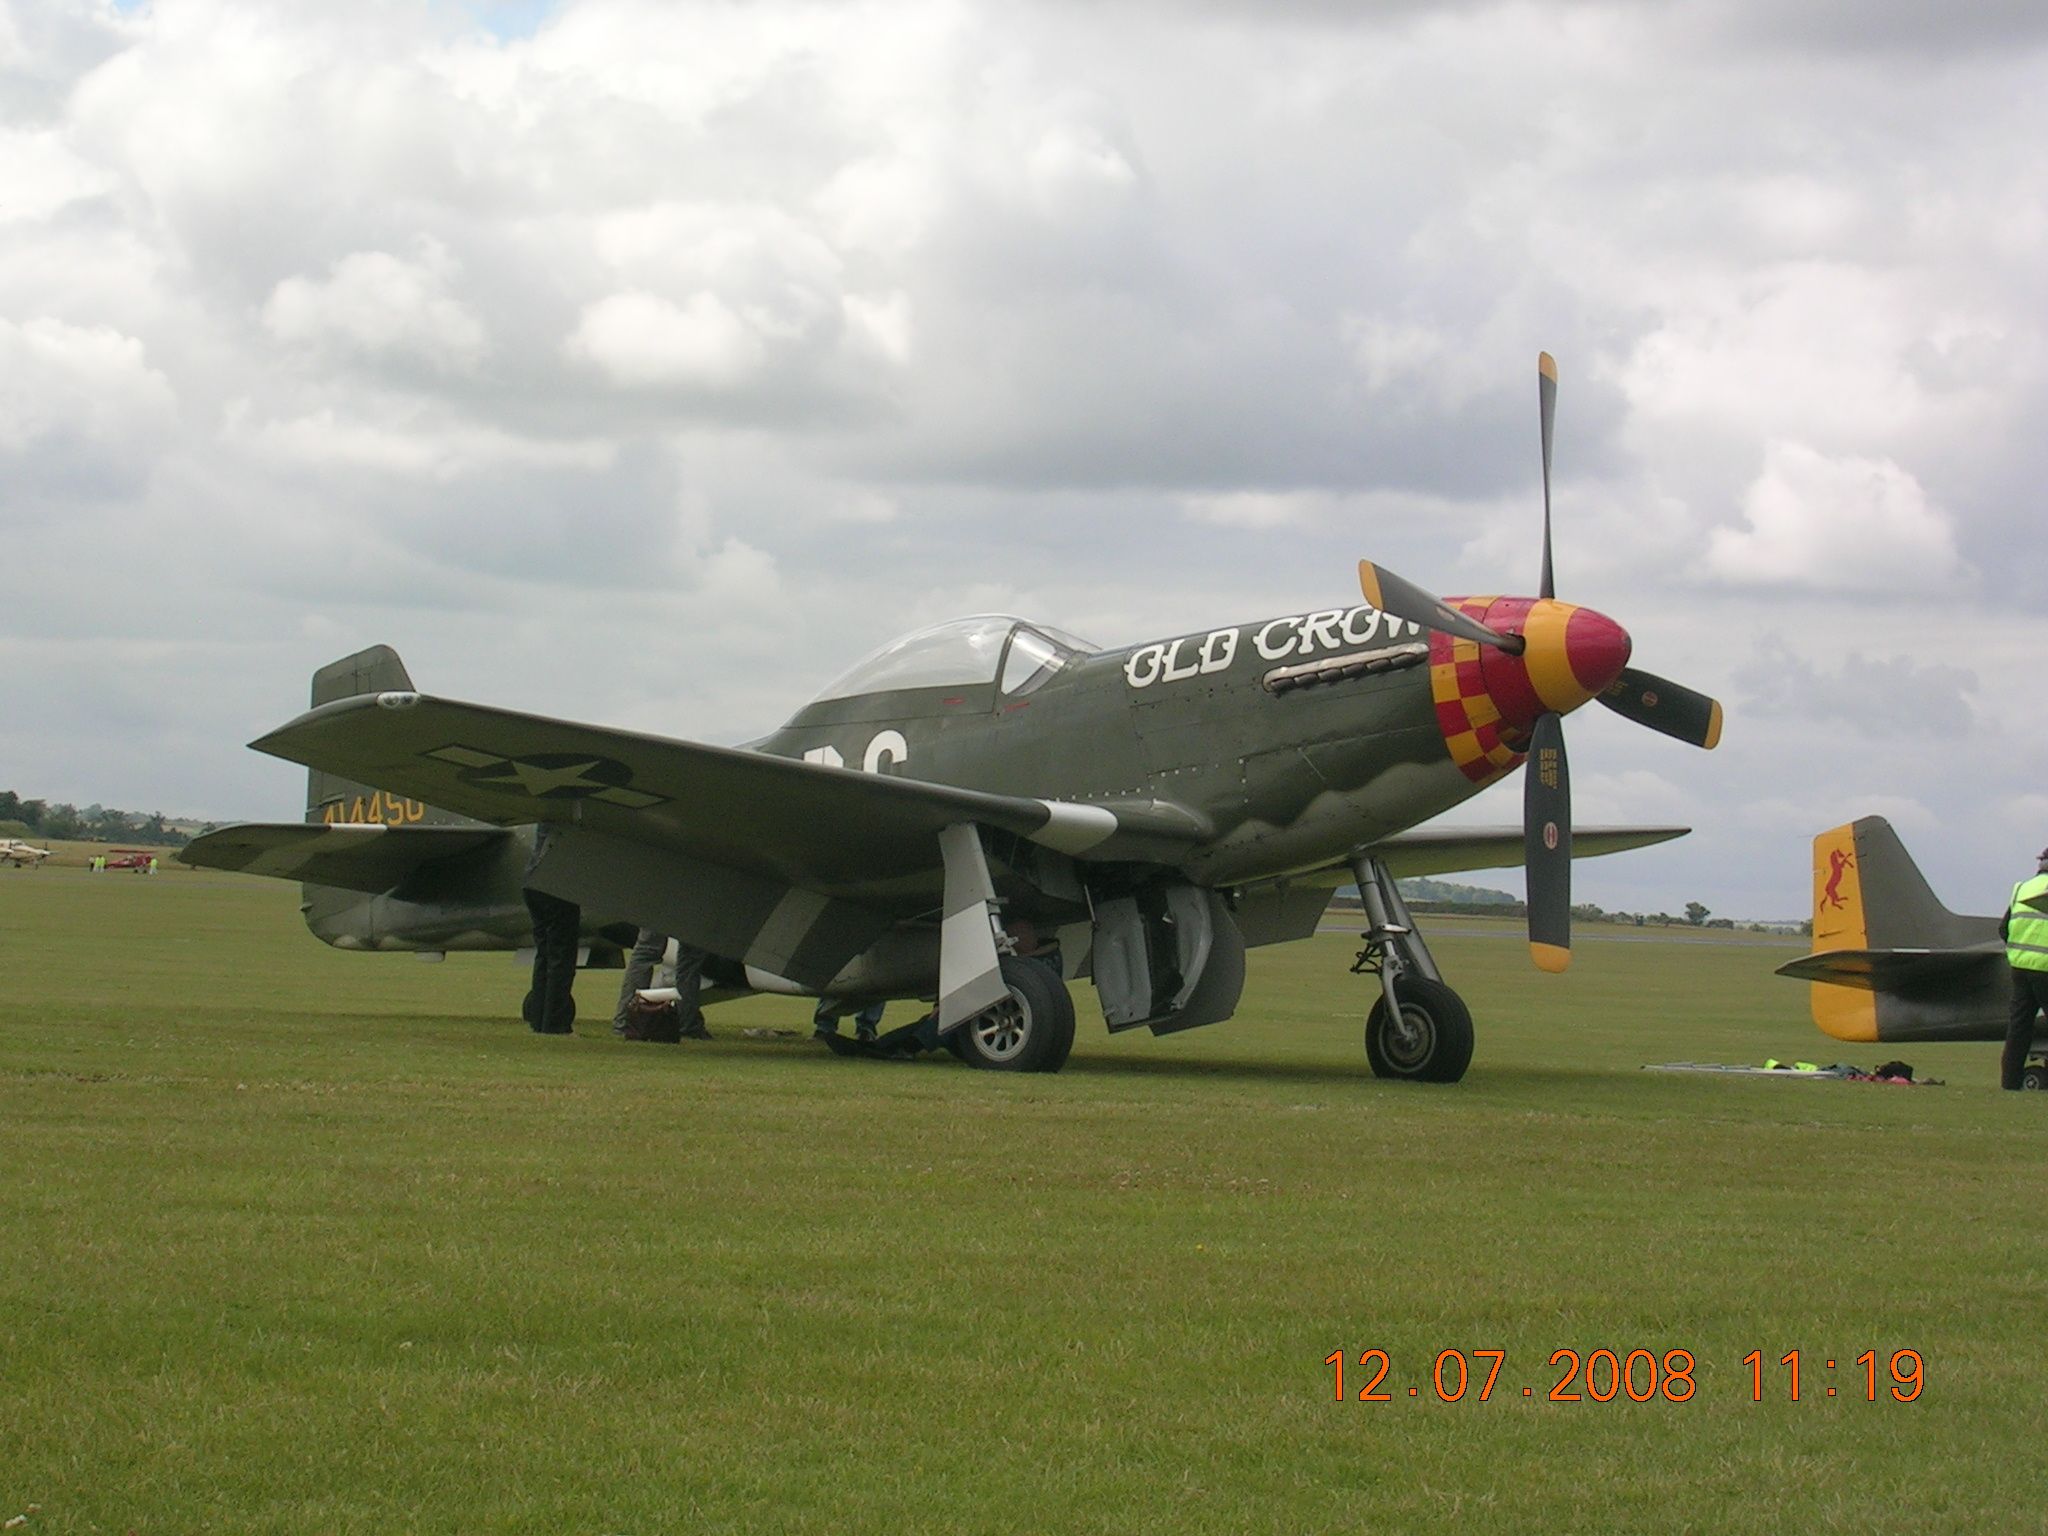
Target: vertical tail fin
pixel 331 798
pixel 1892 899
pixel 1869 897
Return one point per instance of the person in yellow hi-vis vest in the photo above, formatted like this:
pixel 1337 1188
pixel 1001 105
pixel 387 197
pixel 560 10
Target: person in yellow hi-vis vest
pixel 2025 932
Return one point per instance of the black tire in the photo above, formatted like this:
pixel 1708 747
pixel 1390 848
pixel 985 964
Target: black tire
pixel 1032 1032
pixel 2035 1076
pixel 1434 1043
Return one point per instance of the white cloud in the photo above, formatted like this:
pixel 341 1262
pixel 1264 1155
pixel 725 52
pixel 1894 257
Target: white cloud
pixel 435 448
pixel 638 340
pixel 43 175
pixel 883 323
pixel 377 304
pixel 1256 509
pixel 79 399
pixel 1849 524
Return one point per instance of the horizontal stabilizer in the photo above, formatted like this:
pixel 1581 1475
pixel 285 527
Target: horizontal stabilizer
pixel 368 857
pixel 1890 970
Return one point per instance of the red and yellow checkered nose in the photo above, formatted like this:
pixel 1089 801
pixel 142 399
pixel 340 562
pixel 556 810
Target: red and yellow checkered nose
pixel 1487 700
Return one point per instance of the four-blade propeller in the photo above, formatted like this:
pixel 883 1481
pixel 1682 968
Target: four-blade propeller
pixel 1561 657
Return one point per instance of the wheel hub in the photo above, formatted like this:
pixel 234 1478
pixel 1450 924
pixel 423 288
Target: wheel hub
pixel 1001 1032
pixel 1410 1038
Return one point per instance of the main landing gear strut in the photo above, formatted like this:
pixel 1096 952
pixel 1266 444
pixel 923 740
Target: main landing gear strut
pixel 1419 1028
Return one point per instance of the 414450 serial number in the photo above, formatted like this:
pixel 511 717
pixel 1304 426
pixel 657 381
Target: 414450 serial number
pixel 1638 1376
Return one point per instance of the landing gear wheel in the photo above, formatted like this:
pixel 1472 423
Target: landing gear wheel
pixel 2035 1076
pixel 1031 1031
pixel 1432 1040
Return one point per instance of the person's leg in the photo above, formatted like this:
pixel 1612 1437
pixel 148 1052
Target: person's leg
pixel 689 979
pixel 868 1022
pixel 563 925
pixel 825 1018
pixel 640 964
pixel 2019 1029
pixel 537 988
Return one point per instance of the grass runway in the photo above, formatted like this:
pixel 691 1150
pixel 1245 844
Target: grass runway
pixel 298 1241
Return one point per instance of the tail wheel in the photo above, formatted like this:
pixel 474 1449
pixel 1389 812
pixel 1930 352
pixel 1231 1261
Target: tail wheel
pixel 1032 1030
pixel 1431 1042
pixel 2035 1076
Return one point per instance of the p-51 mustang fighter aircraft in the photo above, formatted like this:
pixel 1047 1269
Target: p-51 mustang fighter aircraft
pixel 970 789
pixel 1890 962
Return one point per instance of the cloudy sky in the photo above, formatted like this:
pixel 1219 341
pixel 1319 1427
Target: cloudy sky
pixel 646 362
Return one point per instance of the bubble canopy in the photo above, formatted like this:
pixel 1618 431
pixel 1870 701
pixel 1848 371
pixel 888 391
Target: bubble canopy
pixel 963 653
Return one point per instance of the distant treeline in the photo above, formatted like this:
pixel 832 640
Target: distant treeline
pixel 94 824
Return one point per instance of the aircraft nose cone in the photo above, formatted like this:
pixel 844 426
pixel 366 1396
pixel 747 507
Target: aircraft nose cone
pixel 1595 650
pixel 1569 654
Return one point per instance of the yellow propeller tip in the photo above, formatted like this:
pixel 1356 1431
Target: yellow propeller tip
pixel 1547 366
pixel 1713 739
pixel 1553 958
pixel 1369 583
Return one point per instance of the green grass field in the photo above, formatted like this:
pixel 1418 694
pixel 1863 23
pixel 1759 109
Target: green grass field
pixel 298 1241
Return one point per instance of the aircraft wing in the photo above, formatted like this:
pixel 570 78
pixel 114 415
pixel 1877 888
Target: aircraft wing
pixel 866 837
pixel 1447 850
pixel 1277 911
pixel 368 857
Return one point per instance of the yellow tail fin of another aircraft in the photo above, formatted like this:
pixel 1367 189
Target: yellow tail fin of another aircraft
pixel 1847 1013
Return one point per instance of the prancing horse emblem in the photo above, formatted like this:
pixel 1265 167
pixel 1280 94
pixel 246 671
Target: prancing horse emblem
pixel 1839 864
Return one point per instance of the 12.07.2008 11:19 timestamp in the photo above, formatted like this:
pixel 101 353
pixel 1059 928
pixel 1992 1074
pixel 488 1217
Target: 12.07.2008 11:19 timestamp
pixel 1640 1376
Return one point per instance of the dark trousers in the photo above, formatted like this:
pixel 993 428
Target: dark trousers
pixel 557 925
pixel 2029 997
pixel 689 979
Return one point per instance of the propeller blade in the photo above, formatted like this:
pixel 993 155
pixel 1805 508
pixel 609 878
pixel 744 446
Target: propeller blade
pixel 1546 405
pixel 1547 845
pixel 1404 600
pixel 1665 706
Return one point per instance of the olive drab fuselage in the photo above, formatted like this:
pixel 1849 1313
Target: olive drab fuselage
pixel 1295 738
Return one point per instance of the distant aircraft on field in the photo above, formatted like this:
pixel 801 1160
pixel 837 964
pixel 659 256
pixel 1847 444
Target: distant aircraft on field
pixel 18 853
